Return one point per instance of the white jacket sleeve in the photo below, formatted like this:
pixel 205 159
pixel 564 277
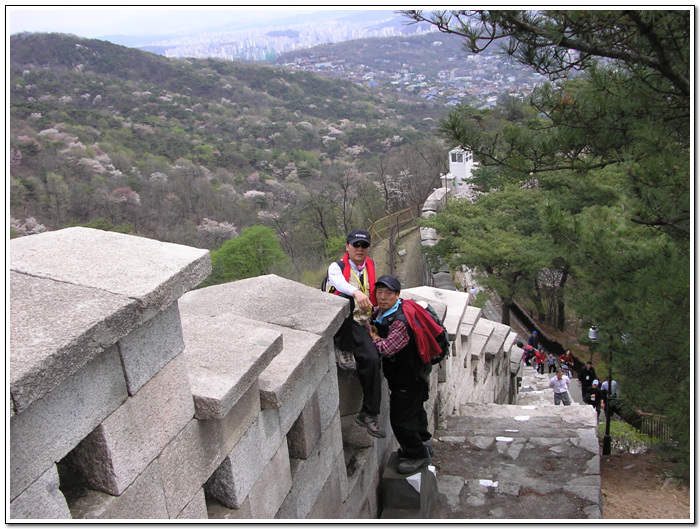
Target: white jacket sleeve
pixel 337 280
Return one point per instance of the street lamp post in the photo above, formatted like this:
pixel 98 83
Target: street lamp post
pixel 606 437
pixel 593 335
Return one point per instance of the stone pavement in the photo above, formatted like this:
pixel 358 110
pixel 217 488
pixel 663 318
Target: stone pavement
pixel 532 460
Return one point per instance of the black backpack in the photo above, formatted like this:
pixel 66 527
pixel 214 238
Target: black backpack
pixel 324 284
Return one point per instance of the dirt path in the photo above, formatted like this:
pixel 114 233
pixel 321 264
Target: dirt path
pixel 635 487
pixel 407 267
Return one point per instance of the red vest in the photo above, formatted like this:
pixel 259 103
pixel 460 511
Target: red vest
pixel 370 276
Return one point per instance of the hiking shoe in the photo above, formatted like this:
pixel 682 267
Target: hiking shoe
pixel 409 466
pixel 346 360
pixel 371 423
pixel 428 444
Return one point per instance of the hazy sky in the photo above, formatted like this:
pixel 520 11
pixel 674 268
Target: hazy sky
pixel 94 21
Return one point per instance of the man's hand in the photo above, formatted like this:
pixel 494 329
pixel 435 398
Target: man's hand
pixel 362 301
pixel 372 331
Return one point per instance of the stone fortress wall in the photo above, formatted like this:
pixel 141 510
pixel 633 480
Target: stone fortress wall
pixel 133 396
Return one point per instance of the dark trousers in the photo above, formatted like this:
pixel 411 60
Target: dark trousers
pixel 354 338
pixel 408 418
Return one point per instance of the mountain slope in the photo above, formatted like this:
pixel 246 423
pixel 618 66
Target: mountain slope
pixel 192 150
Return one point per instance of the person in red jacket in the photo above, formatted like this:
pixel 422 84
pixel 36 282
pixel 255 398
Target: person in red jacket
pixel 567 363
pixel 354 278
pixel 540 359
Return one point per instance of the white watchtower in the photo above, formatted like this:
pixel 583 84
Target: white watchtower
pixel 461 165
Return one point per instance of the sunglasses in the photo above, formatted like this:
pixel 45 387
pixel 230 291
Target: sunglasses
pixel 361 244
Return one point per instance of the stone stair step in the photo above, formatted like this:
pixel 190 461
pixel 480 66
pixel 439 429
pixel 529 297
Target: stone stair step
pixel 400 493
pixel 518 462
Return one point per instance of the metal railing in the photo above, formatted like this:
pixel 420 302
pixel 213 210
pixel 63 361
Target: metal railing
pixel 654 426
pixel 389 227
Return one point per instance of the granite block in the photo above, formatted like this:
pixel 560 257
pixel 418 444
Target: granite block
pixel 272 486
pixel 306 430
pixel 53 425
pixel 56 329
pixel 224 356
pixel 196 509
pixel 126 442
pixel 144 499
pixel 196 452
pixel 271 299
pixel 231 483
pixel 148 349
pixel 153 273
pixel 42 500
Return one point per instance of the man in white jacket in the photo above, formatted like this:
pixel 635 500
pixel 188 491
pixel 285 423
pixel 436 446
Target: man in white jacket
pixel 560 383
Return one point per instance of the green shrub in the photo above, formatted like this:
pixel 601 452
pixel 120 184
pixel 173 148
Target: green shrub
pixel 626 438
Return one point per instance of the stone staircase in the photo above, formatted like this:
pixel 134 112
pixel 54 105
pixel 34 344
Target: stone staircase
pixel 518 462
pixel 502 449
pixel 521 461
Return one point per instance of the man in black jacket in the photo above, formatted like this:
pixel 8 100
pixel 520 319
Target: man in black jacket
pixel 586 377
pixel 594 396
pixel 403 369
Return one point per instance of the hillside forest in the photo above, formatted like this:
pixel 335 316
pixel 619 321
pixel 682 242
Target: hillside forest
pixel 197 151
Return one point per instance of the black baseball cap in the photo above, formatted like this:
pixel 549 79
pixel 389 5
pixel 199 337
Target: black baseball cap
pixel 358 235
pixel 390 282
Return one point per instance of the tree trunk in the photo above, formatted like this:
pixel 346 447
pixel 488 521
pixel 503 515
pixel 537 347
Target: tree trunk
pixel 537 300
pixel 561 317
pixel 505 310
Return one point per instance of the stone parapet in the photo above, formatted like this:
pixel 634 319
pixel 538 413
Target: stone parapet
pixel 75 292
pixel 92 320
pixel 134 398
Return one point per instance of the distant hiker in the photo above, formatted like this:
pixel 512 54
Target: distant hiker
pixel 353 277
pixel 528 353
pixel 534 340
pixel 567 362
pixel 551 363
pixel 405 372
pixel 604 387
pixel 612 397
pixel 586 377
pixel 540 359
pixel 560 384
pixel 594 396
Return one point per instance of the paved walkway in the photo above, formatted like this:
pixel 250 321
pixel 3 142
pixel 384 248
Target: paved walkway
pixel 527 461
